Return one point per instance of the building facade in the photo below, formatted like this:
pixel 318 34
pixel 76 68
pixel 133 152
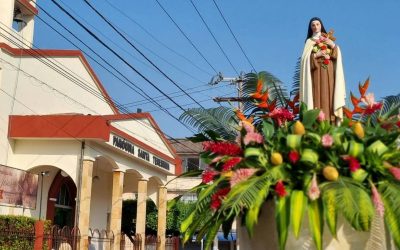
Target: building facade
pixel 58 123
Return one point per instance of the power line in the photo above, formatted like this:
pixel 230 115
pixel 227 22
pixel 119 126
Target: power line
pixel 187 38
pixel 155 38
pixel 115 53
pixel 140 52
pixel 141 44
pixel 226 22
pixel 215 39
pixel 143 93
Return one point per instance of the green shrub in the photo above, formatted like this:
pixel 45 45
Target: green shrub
pixel 18 232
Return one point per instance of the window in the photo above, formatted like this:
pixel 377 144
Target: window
pixel 192 164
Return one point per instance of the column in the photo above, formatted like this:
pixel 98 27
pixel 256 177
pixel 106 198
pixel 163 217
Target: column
pixel 141 210
pixel 162 216
pixel 116 207
pixel 84 203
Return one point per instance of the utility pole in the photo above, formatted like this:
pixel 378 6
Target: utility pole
pixel 238 81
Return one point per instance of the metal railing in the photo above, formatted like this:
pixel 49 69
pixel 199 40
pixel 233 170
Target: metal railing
pixel 65 238
pixel 100 240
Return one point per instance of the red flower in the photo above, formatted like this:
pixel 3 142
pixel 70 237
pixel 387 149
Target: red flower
pixel 398 124
pixel 326 61
pixel 293 156
pixel 222 148
pixel 281 115
pixel 370 110
pixel 324 47
pixel 354 165
pixel 231 163
pixel 216 198
pixel 280 189
pixel 208 175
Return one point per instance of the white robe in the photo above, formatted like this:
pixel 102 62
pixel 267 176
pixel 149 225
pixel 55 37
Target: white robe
pixel 306 92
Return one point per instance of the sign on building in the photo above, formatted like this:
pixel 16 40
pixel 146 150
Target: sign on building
pixel 17 187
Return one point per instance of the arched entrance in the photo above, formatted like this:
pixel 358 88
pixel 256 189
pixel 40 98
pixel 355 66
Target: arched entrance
pixel 61 201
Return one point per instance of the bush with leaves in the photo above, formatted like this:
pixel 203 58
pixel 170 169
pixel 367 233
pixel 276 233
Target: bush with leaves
pixel 293 156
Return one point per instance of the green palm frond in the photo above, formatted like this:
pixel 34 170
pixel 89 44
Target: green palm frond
pixel 353 201
pixel 249 195
pixel 221 120
pixel 277 89
pixel 391 199
pixel 296 79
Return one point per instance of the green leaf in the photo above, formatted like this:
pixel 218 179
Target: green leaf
pixel 316 222
pixel 254 209
pixel 353 200
pixel 268 130
pixel 298 202
pixel 391 199
pixel 330 211
pixel 282 211
pixel 213 230
pixel 309 117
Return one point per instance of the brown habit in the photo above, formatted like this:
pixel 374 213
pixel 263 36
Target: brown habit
pixel 323 83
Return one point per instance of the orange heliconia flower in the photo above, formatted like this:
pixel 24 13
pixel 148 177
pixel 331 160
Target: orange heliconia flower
pixel 258 93
pixel 363 88
pixel 242 117
pixel 263 105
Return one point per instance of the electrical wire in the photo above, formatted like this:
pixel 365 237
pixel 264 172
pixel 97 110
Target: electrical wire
pixel 213 36
pixel 187 38
pixel 155 38
pixel 141 44
pixel 140 52
pixel 115 53
pixel 233 34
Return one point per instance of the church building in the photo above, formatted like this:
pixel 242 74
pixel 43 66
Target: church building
pixel 67 154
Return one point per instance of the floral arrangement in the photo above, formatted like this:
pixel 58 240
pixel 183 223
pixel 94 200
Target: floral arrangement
pixel 299 160
pixel 321 45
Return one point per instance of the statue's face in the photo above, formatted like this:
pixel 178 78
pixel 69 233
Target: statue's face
pixel 316 26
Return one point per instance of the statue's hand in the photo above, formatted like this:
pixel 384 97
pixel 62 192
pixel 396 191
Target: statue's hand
pixel 330 43
pixel 320 53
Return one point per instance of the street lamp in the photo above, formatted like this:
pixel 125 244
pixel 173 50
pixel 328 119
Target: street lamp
pixel 42 174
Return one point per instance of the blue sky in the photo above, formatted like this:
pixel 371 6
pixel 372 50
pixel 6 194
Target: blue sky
pixel 272 33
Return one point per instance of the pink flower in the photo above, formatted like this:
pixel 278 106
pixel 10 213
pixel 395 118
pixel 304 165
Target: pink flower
pixel 327 140
pixel 216 198
pixel 222 148
pixel 281 115
pixel 280 189
pixel 321 116
pixel 247 126
pixel 231 163
pixel 313 191
pixel 369 101
pixel 241 174
pixel 208 175
pixel 253 137
pixel 293 156
pixel 376 199
pixel 217 159
pixel 395 172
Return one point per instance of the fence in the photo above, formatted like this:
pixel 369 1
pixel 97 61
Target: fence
pixel 65 238
pixel 150 242
pixel 100 240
